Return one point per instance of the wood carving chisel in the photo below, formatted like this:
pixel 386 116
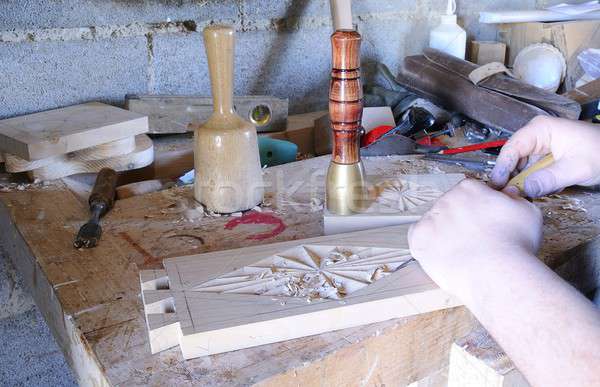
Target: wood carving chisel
pixel 101 201
pixel 471 164
pixel 519 180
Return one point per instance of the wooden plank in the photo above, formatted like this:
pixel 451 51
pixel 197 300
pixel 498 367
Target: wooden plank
pixel 57 132
pixel 80 162
pixel 229 300
pixel 15 164
pixel 173 113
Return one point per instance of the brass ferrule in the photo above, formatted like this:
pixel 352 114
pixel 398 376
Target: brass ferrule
pixel 346 190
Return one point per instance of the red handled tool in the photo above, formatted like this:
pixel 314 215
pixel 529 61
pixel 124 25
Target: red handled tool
pixel 474 147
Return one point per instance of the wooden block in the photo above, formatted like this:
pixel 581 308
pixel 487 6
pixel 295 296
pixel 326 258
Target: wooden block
pixel 142 156
pixel 57 132
pixel 229 300
pixel 585 94
pixel 476 360
pixel 15 164
pixel 300 131
pixel 483 52
pixel 395 201
pixel 173 114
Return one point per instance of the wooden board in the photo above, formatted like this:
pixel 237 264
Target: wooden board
pixel 15 164
pixel 225 301
pixel 57 132
pixel 80 162
pixel 174 113
pixel 396 200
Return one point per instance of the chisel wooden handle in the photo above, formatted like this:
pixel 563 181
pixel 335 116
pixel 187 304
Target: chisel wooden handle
pixel 519 180
pixel 104 190
pixel 345 96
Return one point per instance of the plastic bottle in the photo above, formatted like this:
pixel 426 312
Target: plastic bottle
pixel 449 37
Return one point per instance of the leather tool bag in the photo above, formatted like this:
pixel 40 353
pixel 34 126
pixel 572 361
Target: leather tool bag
pixel 499 101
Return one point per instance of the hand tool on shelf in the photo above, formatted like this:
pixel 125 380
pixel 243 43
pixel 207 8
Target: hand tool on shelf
pixel 417 119
pixel 345 184
pixel 101 201
pixel 396 144
pixel 426 137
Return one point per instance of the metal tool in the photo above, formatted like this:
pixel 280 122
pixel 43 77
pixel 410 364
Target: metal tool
pixel 417 119
pixel 396 144
pixel 471 164
pixel 101 201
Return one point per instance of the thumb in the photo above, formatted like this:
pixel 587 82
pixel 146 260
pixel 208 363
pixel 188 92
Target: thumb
pixel 551 179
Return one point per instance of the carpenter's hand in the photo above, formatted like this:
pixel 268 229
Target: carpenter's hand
pixel 574 144
pixel 470 227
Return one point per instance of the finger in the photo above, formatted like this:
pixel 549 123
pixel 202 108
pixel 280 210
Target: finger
pixel 522 164
pixel 533 138
pixel 554 178
pixel 512 191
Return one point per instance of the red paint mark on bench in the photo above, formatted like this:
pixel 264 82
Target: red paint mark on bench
pixel 254 217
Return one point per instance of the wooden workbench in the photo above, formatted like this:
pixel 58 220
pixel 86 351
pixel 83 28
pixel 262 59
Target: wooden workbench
pixel 91 298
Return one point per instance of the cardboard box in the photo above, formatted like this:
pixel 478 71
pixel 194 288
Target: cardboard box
pixel 481 52
pixel 569 37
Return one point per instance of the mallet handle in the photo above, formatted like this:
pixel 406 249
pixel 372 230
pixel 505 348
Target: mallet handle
pixel 345 96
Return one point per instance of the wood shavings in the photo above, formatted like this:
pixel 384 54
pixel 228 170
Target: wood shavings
pixel 11 187
pixel 564 202
pixel 311 272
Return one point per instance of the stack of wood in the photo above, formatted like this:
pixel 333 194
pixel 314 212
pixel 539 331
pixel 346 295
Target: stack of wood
pixel 77 139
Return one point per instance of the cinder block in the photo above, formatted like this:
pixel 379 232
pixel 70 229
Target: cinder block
pixel 283 47
pixel 180 65
pixel 47 75
pixel 265 63
pixel 74 13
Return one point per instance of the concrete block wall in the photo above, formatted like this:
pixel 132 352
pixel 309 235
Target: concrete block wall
pixel 55 53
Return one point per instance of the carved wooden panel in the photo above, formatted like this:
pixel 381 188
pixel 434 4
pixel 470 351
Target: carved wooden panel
pixel 229 300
